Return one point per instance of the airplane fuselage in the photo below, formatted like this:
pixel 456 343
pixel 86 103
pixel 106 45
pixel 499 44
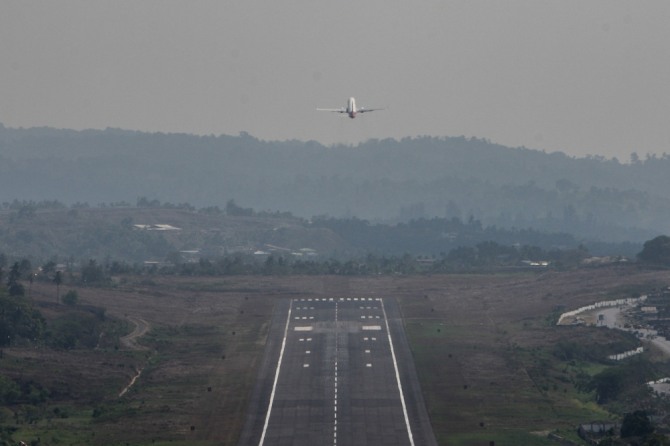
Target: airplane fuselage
pixel 350 110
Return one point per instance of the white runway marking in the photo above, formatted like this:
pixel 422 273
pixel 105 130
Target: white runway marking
pixel 347 326
pixel 397 376
pixel 335 380
pixel 274 385
pixel 371 328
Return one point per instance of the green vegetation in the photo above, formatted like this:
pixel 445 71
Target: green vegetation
pixel 515 384
pixel 107 238
pixel 636 424
pixel 492 364
pixel 71 298
pixel 656 251
pixel 19 321
pixel 62 383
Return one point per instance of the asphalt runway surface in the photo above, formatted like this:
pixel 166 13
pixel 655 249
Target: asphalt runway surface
pixel 337 371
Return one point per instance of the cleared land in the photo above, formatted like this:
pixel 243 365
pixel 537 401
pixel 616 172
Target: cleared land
pixel 481 345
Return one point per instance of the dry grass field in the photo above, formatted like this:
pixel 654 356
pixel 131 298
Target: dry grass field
pixel 482 346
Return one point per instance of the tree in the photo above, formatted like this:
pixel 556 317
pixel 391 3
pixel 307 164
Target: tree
pixel 49 267
pixel 58 279
pixel 234 210
pixel 14 273
pixel 656 251
pixel 13 285
pixel 19 320
pixel 10 392
pixel 636 424
pixel 25 267
pixel 92 273
pixel 71 298
pixel 608 384
pixel 634 158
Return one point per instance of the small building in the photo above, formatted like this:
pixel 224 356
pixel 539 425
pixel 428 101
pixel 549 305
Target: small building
pixel 597 429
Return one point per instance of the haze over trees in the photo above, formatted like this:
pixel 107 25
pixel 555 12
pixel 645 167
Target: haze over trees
pixel 387 181
pixel 656 251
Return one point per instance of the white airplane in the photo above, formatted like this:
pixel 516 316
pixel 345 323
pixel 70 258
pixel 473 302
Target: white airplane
pixel 351 109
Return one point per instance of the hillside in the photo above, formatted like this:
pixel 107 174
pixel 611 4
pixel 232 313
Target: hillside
pixel 145 234
pixel 159 233
pixel 379 180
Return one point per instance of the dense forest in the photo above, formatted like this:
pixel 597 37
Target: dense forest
pixel 381 181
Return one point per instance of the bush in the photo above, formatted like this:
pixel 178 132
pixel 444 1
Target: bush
pixel 10 392
pixel 75 330
pixel 656 251
pixel 71 298
pixel 636 424
pixel 18 320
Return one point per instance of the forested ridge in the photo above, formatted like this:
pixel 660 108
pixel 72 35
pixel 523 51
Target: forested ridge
pixel 385 181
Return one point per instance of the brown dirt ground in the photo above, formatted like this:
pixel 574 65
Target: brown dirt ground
pixel 207 337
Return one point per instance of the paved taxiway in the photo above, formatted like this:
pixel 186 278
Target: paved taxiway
pixel 337 371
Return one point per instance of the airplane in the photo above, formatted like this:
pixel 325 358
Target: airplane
pixel 351 109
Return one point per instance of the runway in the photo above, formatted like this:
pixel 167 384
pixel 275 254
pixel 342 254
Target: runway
pixel 337 371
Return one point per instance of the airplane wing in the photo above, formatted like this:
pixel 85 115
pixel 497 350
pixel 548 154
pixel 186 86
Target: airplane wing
pixel 365 110
pixel 336 110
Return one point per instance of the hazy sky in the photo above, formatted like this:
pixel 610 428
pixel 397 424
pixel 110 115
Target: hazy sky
pixel 579 76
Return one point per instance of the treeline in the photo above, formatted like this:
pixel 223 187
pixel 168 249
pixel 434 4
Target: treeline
pixel 113 232
pixel 28 207
pixel 485 256
pixel 436 235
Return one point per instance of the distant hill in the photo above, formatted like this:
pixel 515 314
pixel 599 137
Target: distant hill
pixel 380 180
